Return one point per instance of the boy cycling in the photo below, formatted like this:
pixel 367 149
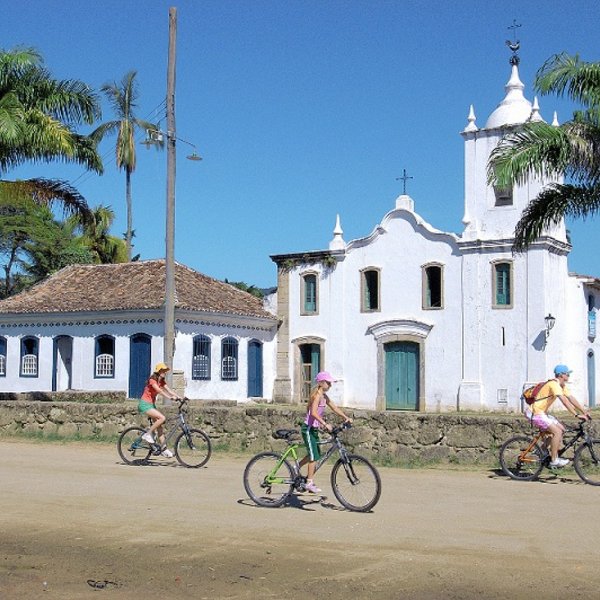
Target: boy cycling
pixel 537 412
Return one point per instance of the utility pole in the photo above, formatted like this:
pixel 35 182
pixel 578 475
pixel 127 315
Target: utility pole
pixel 169 319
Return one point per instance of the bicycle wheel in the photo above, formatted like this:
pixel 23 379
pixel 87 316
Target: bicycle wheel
pixel 587 462
pixel 356 483
pixel 132 448
pixel 267 481
pixel 519 464
pixel 193 448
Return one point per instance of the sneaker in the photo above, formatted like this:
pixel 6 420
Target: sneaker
pixel 147 437
pixel 167 453
pixel 558 463
pixel 312 488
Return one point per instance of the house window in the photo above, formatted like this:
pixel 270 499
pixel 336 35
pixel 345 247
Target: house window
pixel 105 357
pixel 503 196
pixel 201 358
pixel 29 357
pixel 309 294
pixel 2 357
pixel 229 359
pixel 502 280
pixel 433 279
pixel 369 283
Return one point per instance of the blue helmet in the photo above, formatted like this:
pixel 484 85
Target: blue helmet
pixel 562 370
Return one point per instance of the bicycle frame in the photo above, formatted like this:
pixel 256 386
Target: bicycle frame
pixel 570 438
pixel 334 443
pixel 180 423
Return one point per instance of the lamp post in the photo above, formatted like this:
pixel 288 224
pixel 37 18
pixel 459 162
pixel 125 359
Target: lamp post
pixel 156 136
pixel 169 317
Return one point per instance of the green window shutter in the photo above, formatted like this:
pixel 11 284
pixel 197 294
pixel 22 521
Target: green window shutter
pixel 503 291
pixel 310 293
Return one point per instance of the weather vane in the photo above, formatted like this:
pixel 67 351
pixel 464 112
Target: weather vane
pixel 514 44
pixel 404 178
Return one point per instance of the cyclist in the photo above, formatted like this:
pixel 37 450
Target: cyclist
pixel 314 419
pixel 155 385
pixel 537 413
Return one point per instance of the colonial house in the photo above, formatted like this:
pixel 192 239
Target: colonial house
pixel 411 317
pixel 100 327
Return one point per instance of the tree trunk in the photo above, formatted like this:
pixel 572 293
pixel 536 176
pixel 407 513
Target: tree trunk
pixel 129 234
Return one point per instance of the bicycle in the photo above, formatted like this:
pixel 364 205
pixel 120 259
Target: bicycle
pixel 523 457
pixel 270 478
pixel 192 446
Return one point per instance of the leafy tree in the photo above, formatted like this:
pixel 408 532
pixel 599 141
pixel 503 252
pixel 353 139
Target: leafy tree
pixel 123 99
pixel 251 289
pixel 573 149
pixel 33 244
pixel 37 116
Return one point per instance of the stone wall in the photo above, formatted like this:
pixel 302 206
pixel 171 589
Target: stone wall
pixel 392 437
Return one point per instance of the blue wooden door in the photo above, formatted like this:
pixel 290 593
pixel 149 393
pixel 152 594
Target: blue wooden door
pixel 401 376
pixel 255 369
pixel 139 363
pixel 591 372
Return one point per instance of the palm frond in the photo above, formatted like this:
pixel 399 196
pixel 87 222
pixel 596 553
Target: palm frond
pixel 565 74
pixel 551 206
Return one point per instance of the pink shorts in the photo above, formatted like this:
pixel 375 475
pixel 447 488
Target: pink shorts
pixel 542 421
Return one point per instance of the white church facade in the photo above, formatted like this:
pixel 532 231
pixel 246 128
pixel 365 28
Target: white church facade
pixel 410 317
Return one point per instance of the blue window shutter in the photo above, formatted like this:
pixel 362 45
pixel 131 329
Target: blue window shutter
pixel 503 290
pixel 310 293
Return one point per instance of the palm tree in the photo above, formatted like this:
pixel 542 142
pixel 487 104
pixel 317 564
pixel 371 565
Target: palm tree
pixel 123 99
pixel 95 235
pixel 572 150
pixel 37 116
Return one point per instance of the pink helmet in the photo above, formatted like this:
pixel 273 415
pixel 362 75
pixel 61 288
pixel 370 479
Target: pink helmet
pixel 325 376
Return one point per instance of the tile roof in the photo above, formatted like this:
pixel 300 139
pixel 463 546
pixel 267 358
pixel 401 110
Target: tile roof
pixel 131 286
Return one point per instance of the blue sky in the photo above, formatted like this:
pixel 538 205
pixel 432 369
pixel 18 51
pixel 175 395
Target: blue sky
pixel 300 109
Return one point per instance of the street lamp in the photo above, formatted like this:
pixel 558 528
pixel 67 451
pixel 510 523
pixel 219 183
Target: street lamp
pixel 550 321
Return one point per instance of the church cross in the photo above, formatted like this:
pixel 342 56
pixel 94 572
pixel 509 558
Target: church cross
pixel 404 178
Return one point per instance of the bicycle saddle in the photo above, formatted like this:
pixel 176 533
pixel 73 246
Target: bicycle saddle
pixel 285 434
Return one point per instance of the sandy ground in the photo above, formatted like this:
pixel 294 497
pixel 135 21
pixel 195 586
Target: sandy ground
pixel 72 514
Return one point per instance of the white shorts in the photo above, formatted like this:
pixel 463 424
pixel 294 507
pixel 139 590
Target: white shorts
pixel 542 421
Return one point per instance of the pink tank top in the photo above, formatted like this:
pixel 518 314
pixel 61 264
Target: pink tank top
pixel 310 420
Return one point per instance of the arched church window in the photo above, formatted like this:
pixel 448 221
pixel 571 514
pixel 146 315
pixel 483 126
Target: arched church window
pixel 504 196
pixel 433 286
pixel 310 294
pixel 502 284
pixel 369 284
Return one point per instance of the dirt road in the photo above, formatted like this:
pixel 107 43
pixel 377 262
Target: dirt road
pixel 72 513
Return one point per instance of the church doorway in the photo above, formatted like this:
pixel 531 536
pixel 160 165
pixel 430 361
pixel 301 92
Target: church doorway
pixel 401 375
pixel 310 360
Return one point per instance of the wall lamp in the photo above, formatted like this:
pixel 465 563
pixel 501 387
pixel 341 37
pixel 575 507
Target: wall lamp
pixel 550 321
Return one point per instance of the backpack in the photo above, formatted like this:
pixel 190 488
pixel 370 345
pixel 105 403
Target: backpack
pixel 529 394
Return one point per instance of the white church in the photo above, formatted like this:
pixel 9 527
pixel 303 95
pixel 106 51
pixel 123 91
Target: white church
pixel 410 317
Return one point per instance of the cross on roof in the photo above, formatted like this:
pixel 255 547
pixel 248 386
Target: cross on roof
pixel 404 178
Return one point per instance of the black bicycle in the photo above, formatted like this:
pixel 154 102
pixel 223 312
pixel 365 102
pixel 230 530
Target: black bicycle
pixel 270 478
pixel 523 457
pixel 192 446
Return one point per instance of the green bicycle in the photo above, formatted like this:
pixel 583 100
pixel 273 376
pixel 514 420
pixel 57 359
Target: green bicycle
pixel 270 478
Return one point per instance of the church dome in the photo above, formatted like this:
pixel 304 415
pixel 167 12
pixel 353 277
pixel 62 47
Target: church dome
pixel 515 108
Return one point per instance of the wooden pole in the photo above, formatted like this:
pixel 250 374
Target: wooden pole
pixel 169 318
